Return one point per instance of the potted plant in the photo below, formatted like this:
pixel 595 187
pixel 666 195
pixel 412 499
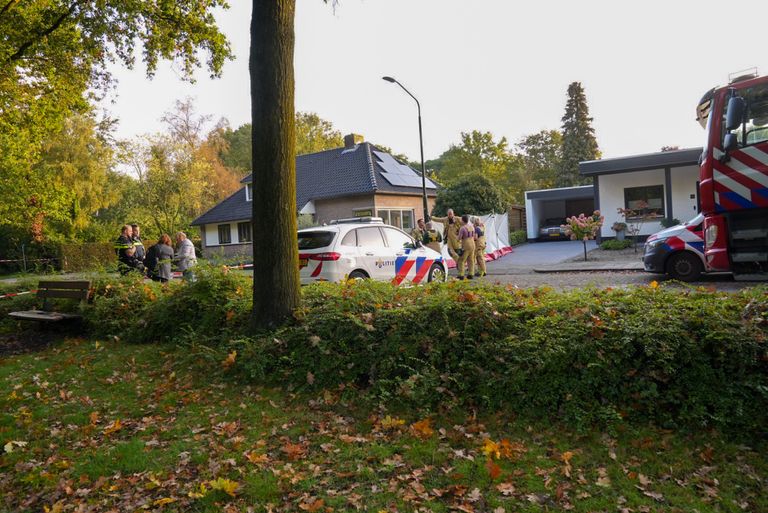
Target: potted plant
pixel 619 228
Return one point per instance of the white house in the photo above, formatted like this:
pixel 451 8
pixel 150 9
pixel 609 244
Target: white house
pixel 663 185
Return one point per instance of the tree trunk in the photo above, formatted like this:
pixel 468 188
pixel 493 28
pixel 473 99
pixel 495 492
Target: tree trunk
pixel 276 290
pixel 585 249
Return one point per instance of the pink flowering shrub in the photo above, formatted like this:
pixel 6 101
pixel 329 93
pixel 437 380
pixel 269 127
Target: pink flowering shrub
pixel 584 228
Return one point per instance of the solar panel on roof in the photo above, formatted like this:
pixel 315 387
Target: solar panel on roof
pixel 399 174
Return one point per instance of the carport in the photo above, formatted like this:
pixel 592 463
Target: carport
pixel 552 206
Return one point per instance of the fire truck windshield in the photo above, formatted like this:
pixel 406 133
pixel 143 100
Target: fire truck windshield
pixel 754 129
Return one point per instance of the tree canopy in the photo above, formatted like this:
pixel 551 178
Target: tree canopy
pixel 54 58
pixel 470 194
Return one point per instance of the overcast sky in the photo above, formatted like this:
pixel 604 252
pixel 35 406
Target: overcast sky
pixel 492 65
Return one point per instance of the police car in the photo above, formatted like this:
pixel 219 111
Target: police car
pixel 677 251
pixel 361 248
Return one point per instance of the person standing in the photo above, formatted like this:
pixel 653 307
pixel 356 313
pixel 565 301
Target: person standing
pixel 418 232
pixel 451 233
pixel 432 238
pixel 126 261
pixel 164 259
pixel 467 239
pixel 479 247
pixel 136 238
pixel 185 256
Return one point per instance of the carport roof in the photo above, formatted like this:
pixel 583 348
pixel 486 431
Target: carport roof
pixel 563 193
pixel 658 160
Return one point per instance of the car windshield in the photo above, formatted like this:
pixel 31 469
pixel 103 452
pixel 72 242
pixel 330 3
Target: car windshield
pixel 315 239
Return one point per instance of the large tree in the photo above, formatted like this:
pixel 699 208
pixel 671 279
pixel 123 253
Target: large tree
pixel 478 153
pixel 276 275
pixel 579 142
pixel 54 58
pixel 471 194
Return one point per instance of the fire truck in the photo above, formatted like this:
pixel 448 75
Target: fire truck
pixel 734 177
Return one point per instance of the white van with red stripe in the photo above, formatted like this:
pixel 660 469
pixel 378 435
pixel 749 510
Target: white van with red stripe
pixel 362 248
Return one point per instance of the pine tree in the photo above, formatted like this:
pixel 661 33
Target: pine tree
pixel 579 142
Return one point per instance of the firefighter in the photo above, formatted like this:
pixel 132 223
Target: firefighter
pixel 467 240
pixel 136 239
pixel 451 233
pixel 126 251
pixel 418 232
pixel 432 238
pixel 479 247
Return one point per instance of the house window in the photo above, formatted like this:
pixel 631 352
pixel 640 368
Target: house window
pixel 248 192
pixel 401 218
pixel 645 201
pixel 225 234
pixel 244 232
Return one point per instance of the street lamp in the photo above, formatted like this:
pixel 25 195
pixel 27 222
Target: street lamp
pixel 421 146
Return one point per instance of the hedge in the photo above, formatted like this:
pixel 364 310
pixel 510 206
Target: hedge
pixel 87 256
pixel 692 358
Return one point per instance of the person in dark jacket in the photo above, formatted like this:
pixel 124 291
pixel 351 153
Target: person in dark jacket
pixel 126 259
pixel 137 243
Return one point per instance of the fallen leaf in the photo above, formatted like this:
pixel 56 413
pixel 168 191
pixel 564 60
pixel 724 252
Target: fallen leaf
pixel 164 501
pixel 506 489
pixel 229 361
pixel 13 443
pixel 312 505
pixel 225 485
pixel 113 427
pixel 493 469
pixel 423 428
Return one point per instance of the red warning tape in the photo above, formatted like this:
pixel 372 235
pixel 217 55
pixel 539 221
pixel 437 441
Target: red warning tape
pixel 13 294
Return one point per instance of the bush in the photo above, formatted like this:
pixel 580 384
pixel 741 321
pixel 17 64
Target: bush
pixel 517 237
pixel 88 256
pixel 614 244
pixel 696 359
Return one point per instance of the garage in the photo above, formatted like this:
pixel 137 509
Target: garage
pixel 548 209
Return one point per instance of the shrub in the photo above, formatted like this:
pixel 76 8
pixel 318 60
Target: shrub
pixel 517 237
pixel 87 256
pixel 694 359
pixel 666 222
pixel 614 244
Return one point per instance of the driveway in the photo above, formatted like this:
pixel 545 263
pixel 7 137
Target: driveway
pixel 534 254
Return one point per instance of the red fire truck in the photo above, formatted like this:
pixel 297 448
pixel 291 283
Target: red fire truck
pixel 734 177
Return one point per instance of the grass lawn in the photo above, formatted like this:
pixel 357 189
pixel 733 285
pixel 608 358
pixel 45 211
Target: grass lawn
pixel 114 427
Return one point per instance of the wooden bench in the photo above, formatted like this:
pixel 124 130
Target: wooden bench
pixel 48 290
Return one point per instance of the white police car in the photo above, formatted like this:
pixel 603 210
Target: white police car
pixel 360 248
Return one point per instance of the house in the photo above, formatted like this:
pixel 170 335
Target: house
pixel 357 180
pixel 662 185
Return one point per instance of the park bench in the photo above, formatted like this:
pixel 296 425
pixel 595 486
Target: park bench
pixel 48 290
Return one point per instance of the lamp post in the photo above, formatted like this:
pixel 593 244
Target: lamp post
pixel 421 147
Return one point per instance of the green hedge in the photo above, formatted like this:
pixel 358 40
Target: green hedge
pixel 615 244
pixel 87 256
pixel 517 237
pixel 690 358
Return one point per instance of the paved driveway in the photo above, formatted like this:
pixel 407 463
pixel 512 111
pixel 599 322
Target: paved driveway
pixel 535 254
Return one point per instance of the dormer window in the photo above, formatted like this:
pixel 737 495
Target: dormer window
pixel 248 192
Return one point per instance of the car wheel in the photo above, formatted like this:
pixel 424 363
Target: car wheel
pixel 436 273
pixel 684 266
pixel 358 275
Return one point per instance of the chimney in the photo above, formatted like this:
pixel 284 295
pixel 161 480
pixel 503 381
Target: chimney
pixel 352 140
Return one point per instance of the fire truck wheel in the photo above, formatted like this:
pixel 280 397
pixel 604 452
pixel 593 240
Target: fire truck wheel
pixel 684 266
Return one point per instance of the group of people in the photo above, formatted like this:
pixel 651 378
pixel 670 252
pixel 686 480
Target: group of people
pixel 464 238
pixel 155 262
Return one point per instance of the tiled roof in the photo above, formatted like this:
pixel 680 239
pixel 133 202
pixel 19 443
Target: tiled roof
pixel 324 175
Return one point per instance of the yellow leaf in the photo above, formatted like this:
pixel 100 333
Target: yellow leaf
pixel 256 458
pixel 164 501
pixel 389 422
pixel 566 456
pixel 199 494
pixel 230 360
pixel 225 485
pixel 491 449
pixel 113 428
pixel 94 418
pixel 312 505
pixel 654 284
